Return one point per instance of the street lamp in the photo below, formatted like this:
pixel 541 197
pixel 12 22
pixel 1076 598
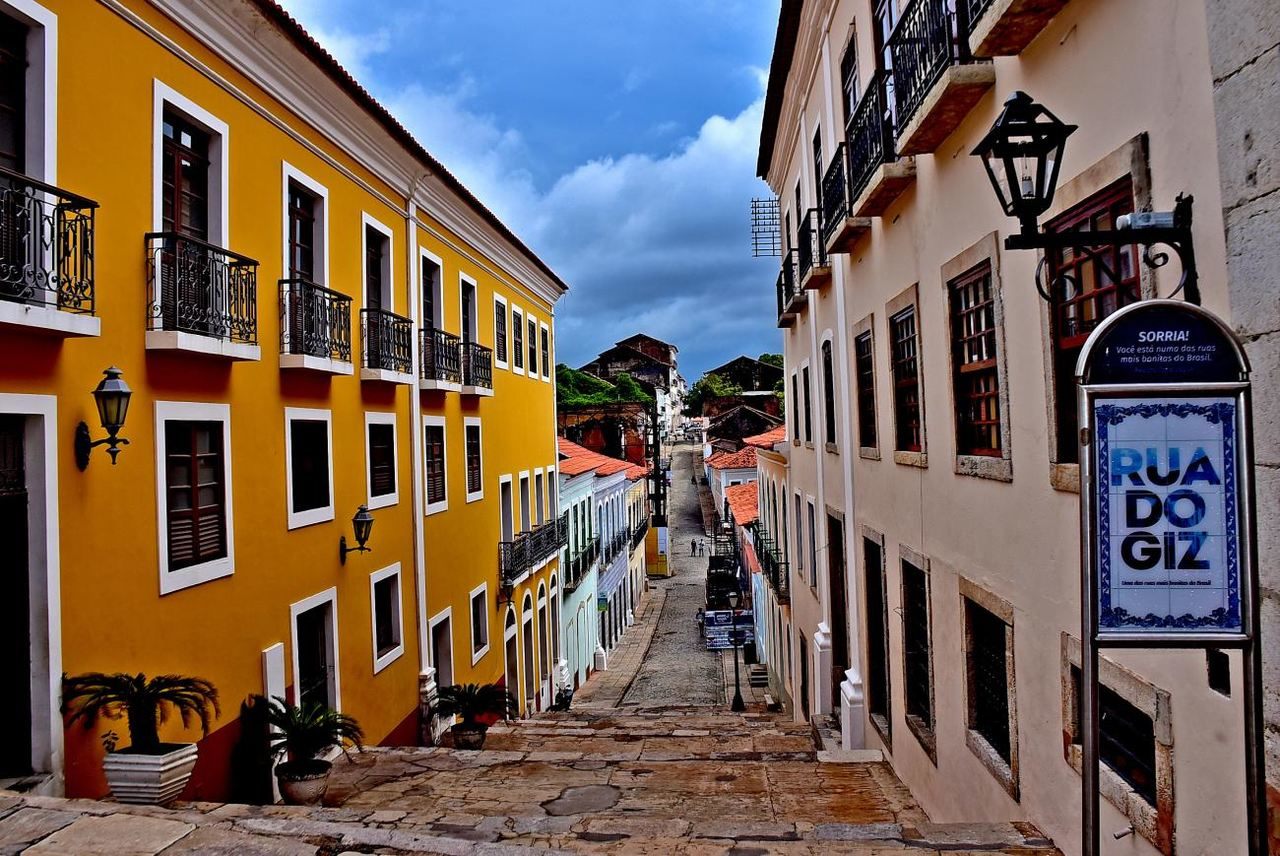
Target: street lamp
pixel 735 639
pixel 363 525
pixel 112 400
pixel 1022 154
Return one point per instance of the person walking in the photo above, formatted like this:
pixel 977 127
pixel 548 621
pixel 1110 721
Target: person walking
pixel 693 546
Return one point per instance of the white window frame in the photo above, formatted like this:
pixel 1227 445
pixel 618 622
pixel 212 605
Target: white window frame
pixel 192 411
pixel 443 615
pixel 481 590
pixel 388 261
pixel 538 504
pixel 507 479
pixel 41 119
pixel 436 286
pixel 219 144
pixel 289 173
pixel 311 516
pixel 518 369
pixel 465 280
pixel 380 663
pixel 468 422
pixel 436 422
pixel 506 310
pixel 531 370
pixel 543 329
pixel 380 418
pixel 329 596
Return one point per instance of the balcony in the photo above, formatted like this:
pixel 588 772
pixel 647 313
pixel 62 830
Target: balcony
pixel 315 328
pixel 775 570
pixel 877 177
pixel 477 369
pixel 840 229
pixel 46 258
pixel 201 298
pixel 790 298
pixel 580 564
pixel 811 255
pixel 724 552
pixel 529 550
pixel 936 80
pixel 1006 27
pixel 638 534
pixel 387 339
pixel 441 361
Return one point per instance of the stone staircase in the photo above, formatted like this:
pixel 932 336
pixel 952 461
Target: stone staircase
pixel 680 780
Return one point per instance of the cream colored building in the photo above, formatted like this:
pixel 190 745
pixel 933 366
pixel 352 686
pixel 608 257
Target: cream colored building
pixel 932 478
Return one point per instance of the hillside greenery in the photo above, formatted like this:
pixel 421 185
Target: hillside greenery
pixel 576 388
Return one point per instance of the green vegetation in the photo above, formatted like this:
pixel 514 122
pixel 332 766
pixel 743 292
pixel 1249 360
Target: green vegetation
pixel 708 386
pixel 578 389
pixel 771 359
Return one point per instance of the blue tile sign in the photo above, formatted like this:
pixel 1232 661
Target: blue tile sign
pixel 1168 534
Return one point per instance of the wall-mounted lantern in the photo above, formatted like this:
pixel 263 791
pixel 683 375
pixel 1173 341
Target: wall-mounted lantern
pixel 112 399
pixel 362 523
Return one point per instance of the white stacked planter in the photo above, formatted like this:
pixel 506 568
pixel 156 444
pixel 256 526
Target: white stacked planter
pixel 149 779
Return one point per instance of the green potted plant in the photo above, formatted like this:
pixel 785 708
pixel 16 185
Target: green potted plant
pixel 300 734
pixel 146 771
pixel 477 706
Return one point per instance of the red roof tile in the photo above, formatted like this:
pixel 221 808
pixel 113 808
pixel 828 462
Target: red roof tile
pixel 576 460
pixel 743 459
pixel 742 502
pixel 768 439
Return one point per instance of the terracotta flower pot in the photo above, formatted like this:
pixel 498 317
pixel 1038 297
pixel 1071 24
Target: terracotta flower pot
pixel 156 779
pixel 303 782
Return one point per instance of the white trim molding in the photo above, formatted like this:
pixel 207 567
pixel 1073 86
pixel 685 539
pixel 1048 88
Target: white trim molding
pixel 435 422
pixel 367 221
pixel 288 173
pixel 477 654
pixel 506 311
pixel 372 418
pixel 219 159
pixel 329 596
pixel 380 662
pixel 440 617
pixel 310 516
pixel 192 411
pixel 517 365
pixel 544 332
pixel 467 423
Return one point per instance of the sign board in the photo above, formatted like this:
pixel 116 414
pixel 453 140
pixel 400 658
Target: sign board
pixel 719 623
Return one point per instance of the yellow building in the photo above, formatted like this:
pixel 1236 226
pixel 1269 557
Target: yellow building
pixel 313 315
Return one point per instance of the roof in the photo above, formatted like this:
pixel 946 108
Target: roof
pixel 784 48
pixel 635 336
pixel 768 439
pixel 743 459
pixel 743 504
pixel 325 61
pixel 576 460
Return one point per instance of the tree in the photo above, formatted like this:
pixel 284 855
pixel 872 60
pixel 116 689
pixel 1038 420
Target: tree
pixel 708 386
pixel 780 392
pixel 771 359
pixel 579 389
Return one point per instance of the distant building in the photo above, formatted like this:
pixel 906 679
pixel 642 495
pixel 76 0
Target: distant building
pixel 650 361
pixel 750 374
pixel 742 421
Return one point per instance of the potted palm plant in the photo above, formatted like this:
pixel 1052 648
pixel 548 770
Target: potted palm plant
pixel 300 734
pixel 146 771
pixel 478 706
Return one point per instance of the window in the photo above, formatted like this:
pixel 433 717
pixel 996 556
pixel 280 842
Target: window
pixel 533 346
pixel 194 490
pixel 380 435
pixel 388 638
pixel 849 77
pixel 500 331
pixel 441 629
pixel 375 263
pixel 302 232
pixel 475 478
pixel 865 380
pixel 800 545
pixel 546 351
pixel 813 546
pixel 431 296
pixel 479 623
pixel 1219 669
pixel 973 361
pixel 433 453
pixel 989 687
pixel 1095 282
pixel 828 394
pixel 1127 743
pixel 185 176
pixel 917 654
pixel 467 305
pixel 795 408
pixel 517 342
pixel 808 404
pixel 878 685
pixel 819 170
pixel 315 649
pixel 308 438
pixel 906 381
pixel 539 500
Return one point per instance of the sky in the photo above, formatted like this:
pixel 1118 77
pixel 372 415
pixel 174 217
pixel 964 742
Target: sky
pixel 617 138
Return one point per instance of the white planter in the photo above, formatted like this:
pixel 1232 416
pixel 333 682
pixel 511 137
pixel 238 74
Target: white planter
pixel 150 779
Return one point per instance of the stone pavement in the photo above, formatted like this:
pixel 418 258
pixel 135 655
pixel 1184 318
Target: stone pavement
pixel 606 689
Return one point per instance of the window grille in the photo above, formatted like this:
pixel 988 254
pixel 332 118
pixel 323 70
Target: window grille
pixel 1127 741
pixel 988 677
pixel 766 239
pixel 916 654
pixel 878 686
pixel 435 464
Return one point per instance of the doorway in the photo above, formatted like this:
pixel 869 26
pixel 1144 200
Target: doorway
pixel 511 666
pixel 530 667
pixel 442 649
pixel 15 607
pixel 544 646
pixel 839 603
pixel 804 678
pixel 315 676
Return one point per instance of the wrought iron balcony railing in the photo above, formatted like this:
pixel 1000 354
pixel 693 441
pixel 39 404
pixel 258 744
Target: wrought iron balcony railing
pixel 976 9
pixel 637 534
pixel 772 564
pixel 441 356
pixel 930 36
pixel 196 287
pixel 788 286
pixel 869 135
pixel 314 321
pixel 812 251
pixel 46 245
pixel 477 365
pixel 835 194
pixel 579 564
pixel 387 339
pixel 517 557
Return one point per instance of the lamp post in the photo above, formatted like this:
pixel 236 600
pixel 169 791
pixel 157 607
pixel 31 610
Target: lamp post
pixel 735 637
pixel 111 397
pixel 362 523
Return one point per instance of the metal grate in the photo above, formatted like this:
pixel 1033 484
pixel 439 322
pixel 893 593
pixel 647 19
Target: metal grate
pixel 766 236
pixel 917 653
pixel 988 678
pixel 1127 741
pixel 877 632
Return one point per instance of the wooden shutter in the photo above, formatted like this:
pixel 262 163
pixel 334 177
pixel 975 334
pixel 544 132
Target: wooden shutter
pixel 435 464
pixel 382 460
pixel 196 493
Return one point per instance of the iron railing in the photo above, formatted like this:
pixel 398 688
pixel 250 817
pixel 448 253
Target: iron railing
pixel 869 135
pixel 929 38
pixel 314 321
pixel 724 552
pixel 196 287
pixel 637 534
pixel 477 365
pixel 441 356
pixel 787 284
pixel 835 194
pixel 518 556
pixel 774 567
pixel 812 251
pixel 387 339
pixel 579 564
pixel 976 9
pixel 46 244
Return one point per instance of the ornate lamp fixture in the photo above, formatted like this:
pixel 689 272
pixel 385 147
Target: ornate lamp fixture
pixel 363 525
pixel 112 399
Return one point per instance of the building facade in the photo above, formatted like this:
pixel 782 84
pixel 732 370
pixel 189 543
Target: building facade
pixel 313 316
pixel 933 473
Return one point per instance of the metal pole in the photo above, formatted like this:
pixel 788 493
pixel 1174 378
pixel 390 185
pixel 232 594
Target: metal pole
pixel 1254 745
pixel 738 705
pixel 1089 809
